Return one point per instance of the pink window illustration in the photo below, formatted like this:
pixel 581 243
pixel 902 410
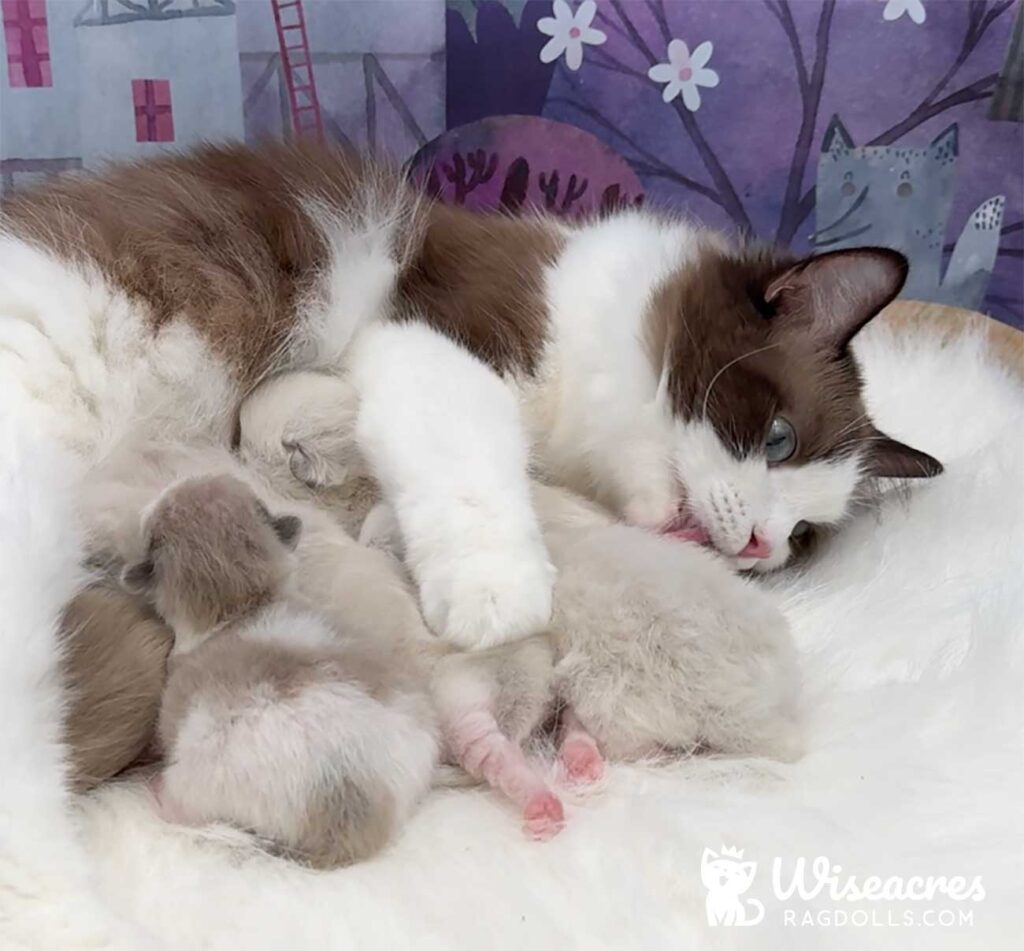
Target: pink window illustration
pixel 27 42
pixel 153 119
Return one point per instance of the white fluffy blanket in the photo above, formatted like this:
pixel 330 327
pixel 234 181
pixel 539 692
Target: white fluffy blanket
pixel 912 635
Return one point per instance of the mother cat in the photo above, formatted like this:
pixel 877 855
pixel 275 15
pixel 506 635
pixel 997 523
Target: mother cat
pixel 691 386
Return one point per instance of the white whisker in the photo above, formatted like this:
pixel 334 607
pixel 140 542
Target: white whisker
pixel 714 379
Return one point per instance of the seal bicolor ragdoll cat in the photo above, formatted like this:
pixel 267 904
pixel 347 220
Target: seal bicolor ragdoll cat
pixel 692 385
pixel 271 719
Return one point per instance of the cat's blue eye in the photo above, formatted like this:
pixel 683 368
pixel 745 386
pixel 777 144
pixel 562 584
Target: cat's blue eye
pixel 780 443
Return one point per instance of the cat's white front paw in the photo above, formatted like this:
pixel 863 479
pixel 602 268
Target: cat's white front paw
pixel 487 596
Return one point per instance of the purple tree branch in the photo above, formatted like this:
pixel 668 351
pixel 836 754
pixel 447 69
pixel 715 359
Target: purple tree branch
pixel 648 163
pixel 979 89
pixel 810 97
pixel 1012 305
pixel 979 19
pixel 657 8
pixel 781 11
pixel 729 199
pixel 604 60
pixel 607 21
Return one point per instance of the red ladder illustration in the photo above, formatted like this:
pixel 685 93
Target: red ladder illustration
pixel 297 65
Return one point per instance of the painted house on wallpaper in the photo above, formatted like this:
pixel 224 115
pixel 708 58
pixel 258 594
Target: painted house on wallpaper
pixel 379 70
pixel 114 78
pixel 40 77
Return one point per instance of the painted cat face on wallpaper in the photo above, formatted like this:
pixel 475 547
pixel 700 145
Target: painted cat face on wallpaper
pixel 897 197
pixel 887 196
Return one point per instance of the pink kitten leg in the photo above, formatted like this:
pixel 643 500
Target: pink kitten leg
pixel 578 752
pixel 484 751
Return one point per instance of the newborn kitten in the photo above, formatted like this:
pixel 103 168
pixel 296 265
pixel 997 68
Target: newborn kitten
pixel 112 692
pixel 271 719
pixel 655 647
pixel 659 647
pixel 489 703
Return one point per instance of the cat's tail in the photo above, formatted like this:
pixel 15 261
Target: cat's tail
pixel 47 899
pixel 974 256
pixel 755 909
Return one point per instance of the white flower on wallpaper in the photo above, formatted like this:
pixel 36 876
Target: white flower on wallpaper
pixel 568 32
pixel 685 73
pixel 894 9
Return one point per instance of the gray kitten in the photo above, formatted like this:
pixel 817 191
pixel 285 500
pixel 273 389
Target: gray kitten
pixel 271 719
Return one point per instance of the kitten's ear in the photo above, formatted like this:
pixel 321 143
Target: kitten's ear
pixel 709 856
pixel 288 528
pixel 833 295
pixel 138 578
pixel 889 459
pixel 836 139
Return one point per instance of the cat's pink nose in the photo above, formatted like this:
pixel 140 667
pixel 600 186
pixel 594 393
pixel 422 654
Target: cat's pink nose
pixel 757 547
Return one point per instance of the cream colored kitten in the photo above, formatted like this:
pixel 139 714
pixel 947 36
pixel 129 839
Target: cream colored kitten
pixel 657 646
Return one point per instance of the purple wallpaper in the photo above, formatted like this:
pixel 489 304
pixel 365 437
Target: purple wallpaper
pixel 721 107
pixel 816 123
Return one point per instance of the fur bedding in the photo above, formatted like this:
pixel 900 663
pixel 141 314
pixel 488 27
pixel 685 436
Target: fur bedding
pixel 911 631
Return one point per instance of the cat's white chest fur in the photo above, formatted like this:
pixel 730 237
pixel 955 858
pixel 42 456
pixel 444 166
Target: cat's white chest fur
pixel 595 410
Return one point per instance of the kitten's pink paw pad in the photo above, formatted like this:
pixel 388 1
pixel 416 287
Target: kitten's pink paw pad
pixel 543 817
pixel 582 761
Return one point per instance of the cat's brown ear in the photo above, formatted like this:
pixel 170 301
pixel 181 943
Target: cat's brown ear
pixel 833 295
pixel 889 459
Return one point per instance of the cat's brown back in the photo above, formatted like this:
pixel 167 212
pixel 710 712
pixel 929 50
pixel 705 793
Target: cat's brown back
pixel 231 239
pixel 219 236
